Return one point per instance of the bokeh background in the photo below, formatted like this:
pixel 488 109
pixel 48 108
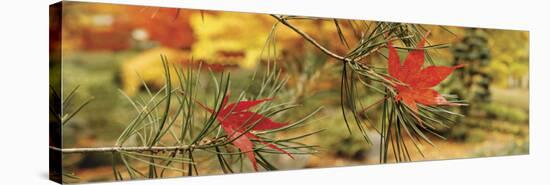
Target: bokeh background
pixel 106 46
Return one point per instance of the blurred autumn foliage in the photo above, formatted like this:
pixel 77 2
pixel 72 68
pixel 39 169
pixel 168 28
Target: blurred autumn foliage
pixel 115 27
pixel 510 62
pixel 221 41
pixel 168 26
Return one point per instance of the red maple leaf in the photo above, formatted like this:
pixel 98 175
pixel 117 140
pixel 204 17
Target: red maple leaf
pixel 236 120
pixel 417 82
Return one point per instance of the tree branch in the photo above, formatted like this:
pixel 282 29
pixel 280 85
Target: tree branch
pixel 128 149
pixel 203 144
pixel 311 40
pixel 334 55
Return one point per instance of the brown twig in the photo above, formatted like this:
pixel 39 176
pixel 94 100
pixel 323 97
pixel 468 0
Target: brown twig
pixel 203 144
pixel 127 149
pixel 311 40
pixel 332 54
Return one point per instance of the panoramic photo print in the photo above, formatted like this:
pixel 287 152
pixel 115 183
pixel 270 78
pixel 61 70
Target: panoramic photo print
pixel 140 92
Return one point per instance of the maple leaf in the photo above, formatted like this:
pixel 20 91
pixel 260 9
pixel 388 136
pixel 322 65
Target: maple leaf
pixel 417 82
pixel 236 121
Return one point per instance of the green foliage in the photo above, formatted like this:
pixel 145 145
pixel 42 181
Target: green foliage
pixel 506 113
pixel 520 147
pixel 339 142
pixel 476 135
pixel 96 76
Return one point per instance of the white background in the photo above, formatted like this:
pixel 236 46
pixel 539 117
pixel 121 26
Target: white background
pixel 24 87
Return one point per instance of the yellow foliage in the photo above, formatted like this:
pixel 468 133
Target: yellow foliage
pixel 229 32
pixel 246 34
pixel 147 66
pixel 510 56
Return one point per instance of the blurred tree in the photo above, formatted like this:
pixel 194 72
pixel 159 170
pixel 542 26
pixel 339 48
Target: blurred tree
pixel 473 81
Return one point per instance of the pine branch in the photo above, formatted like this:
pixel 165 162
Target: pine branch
pixel 397 118
pixel 345 60
pixel 311 40
pixel 127 149
pixel 204 144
